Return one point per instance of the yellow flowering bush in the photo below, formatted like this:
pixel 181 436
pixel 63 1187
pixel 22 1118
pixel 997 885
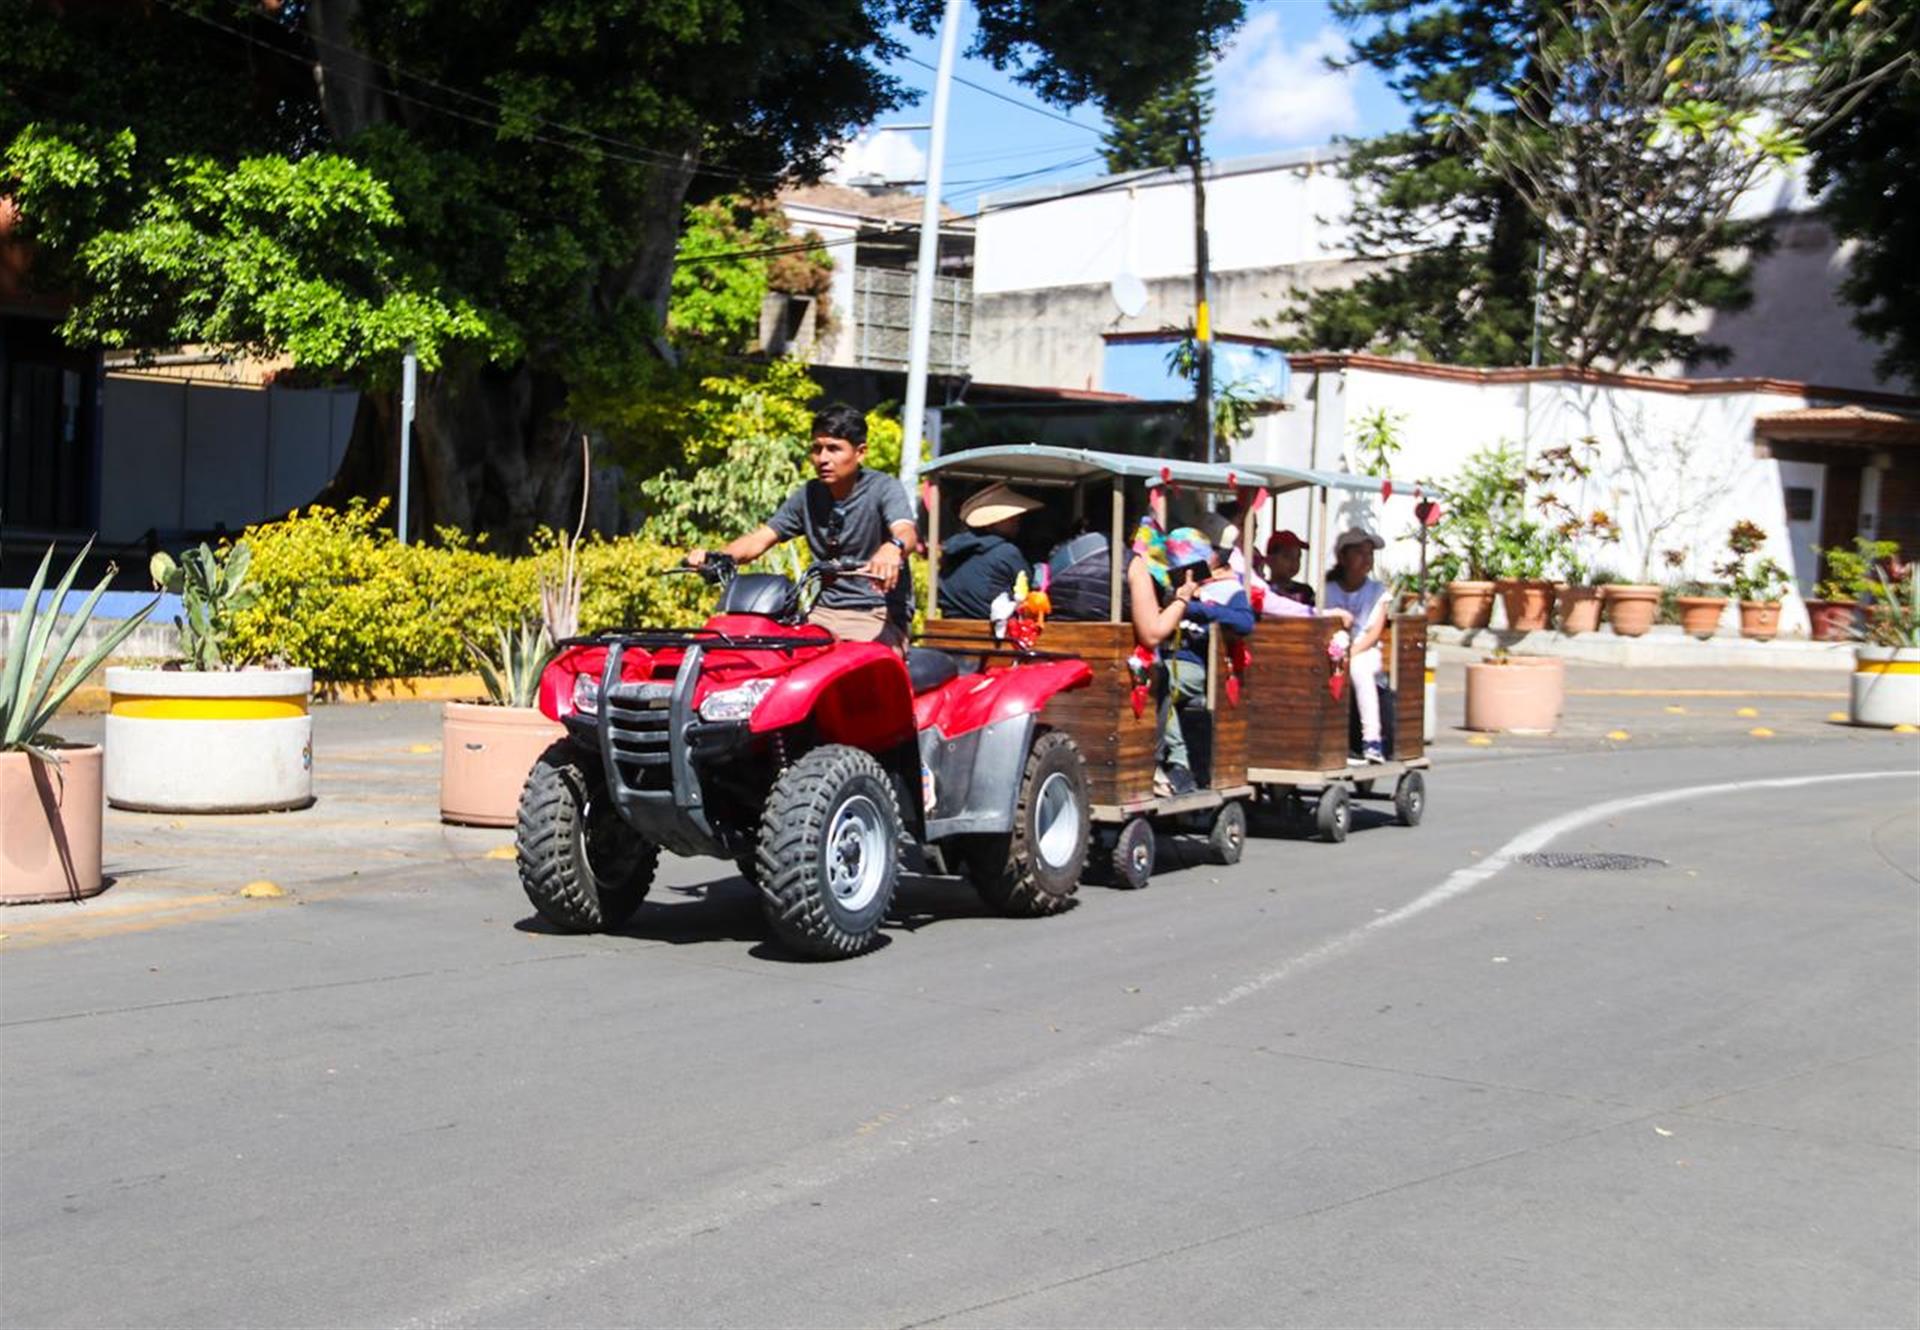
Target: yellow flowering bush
pixel 339 594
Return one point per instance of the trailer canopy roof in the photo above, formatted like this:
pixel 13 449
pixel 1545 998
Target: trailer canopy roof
pixel 1043 463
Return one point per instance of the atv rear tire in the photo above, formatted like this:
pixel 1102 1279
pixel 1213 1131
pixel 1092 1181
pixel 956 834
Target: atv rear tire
pixel 829 852
pixel 1035 869
pixel 584 869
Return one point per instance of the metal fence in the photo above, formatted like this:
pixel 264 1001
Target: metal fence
pixel 883 313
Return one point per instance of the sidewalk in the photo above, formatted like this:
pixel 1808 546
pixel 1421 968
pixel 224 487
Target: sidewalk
pixel 1665 647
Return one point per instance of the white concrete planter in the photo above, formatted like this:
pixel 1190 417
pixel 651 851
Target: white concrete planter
pixel 1886 686
pixel 181 741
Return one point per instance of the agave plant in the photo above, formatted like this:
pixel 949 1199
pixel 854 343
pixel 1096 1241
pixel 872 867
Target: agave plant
pixel 512 673
pixel 31 685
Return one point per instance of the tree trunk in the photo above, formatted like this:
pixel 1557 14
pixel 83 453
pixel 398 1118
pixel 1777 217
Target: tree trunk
pixel 492 453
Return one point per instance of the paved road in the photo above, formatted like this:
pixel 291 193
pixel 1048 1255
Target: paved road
pixel 1400 1081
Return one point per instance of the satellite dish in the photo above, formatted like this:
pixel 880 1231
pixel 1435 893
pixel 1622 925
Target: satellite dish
pixel 1129 293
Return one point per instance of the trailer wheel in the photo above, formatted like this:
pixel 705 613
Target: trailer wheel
pixel 1228 837
pixel 1334 813
pixel 1035 869
pixel 829 852
pixel 583 868
pixel 1133 854
pixel 1410 799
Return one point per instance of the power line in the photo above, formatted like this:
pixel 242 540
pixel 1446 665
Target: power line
pixel 1010 101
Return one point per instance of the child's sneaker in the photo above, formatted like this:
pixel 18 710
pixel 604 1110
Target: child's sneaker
pixel 1181 780
pixel 1373 752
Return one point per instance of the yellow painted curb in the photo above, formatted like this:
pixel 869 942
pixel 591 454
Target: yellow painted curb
pixel 1761 732
pixel 411 688
pixel 1887 667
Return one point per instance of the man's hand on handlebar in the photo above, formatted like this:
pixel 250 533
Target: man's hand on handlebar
pixel 695 558
pixel 884 566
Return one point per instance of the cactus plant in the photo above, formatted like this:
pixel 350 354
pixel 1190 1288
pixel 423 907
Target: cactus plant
pixel 512 674
pixel 31 686
pixel 212 589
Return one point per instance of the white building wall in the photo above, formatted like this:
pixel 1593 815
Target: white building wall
pixel 834 228
pixel 1675 468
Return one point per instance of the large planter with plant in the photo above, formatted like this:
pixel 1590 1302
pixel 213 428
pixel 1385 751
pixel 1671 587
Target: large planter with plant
pixel 203 736
pixel 49 789
pixel 1836 611
pixel 487 748
pixel 1517 694
pixel 1631 607
pixel 1886 669
pixel 1469 603
pixel 1833 620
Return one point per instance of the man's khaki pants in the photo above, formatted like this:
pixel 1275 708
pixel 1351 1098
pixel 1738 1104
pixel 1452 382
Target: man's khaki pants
pixel 860 626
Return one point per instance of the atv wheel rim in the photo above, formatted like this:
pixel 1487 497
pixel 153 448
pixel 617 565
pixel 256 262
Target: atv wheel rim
pixel 1056 821
pixel 857 853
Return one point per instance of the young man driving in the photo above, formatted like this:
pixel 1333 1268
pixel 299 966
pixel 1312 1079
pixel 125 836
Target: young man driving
pixel 846 512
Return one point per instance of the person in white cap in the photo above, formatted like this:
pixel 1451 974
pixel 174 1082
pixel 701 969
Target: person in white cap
pixel 1350 587
pixel 983 562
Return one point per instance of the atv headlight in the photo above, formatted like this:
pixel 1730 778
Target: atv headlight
pixel 586 694
pixel 735 703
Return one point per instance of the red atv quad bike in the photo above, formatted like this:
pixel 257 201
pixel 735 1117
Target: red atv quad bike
pixel 806 760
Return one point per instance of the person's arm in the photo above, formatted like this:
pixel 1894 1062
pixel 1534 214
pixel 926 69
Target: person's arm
pixel 1375 625
pixel 1236 615
pixel 887 561
pixel 1154 623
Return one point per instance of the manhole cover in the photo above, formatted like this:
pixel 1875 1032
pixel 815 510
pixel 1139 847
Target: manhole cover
pixel 1593 862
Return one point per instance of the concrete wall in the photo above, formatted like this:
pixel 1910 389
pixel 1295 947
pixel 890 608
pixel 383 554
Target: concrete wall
pixel 1675 469
pixel 190 455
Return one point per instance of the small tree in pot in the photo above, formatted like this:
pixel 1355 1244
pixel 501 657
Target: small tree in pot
pixel 1835 610
pixel 1756 583
pixel 50 789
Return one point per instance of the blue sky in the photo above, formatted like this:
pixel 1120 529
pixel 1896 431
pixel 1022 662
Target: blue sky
pixel 1273 91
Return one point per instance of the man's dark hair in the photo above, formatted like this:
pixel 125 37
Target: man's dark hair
pixel 840 421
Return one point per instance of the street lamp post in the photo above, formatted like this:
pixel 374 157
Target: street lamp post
pixel 920 336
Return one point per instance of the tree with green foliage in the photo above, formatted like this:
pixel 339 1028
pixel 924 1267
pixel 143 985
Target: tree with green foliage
pixel 717 304
pixel 502 188
pixel 1866 170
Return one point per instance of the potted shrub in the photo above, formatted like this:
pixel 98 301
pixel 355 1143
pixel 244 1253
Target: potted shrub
pixel 50 789
pixel 1699 607
pixel 1756 583
pixel 1521 555
pixel 1886 669
pixel 205 734
pixel 1835 612
pixel 1631 607
pixel 1523 694
pixel 1574 534
pixel 1482 502
pixel 487 748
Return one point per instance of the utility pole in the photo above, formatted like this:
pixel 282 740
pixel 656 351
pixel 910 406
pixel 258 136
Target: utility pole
pixel 408 369
pixel 1202 319
pixel 920 336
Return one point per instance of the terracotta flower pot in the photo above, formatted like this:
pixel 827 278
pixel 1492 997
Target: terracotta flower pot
pixel 1833 620
pixel 485 755
pixel 1437 608
pixel 1700 615
pixel 50 827
pixel 1469 604
pixel 1529 603
pixel 1522 693
pixel 1631 607
pixel 1759 619
pixel 1579 609
pixel 1886 686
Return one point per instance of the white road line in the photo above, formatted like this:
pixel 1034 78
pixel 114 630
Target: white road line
pixel 784 1182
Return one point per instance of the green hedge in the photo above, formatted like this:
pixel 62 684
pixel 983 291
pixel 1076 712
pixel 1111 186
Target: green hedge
pixel 339 594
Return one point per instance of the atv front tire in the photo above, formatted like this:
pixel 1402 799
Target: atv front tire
pixel 1035 869
pixel 829 852
pixel 584 869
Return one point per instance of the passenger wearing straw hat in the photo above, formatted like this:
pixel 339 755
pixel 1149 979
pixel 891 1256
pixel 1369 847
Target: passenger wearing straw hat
pixel 982 562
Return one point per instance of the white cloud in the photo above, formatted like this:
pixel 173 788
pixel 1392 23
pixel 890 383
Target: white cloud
pixel 892 156
pixel 1280 93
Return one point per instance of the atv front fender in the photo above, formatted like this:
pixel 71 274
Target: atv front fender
pixel 856 694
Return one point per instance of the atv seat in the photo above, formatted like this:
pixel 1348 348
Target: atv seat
pixel 927 669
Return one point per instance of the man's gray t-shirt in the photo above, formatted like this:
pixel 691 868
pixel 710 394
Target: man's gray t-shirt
pixel 851 528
